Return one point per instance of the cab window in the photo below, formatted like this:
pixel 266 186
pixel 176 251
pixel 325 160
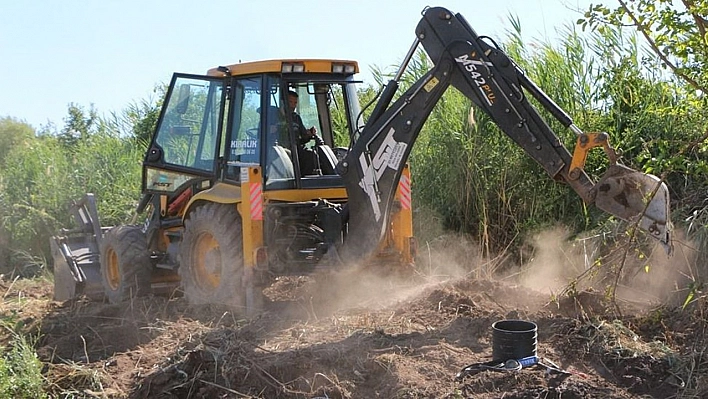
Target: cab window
pixel 188 133
pixel 244 146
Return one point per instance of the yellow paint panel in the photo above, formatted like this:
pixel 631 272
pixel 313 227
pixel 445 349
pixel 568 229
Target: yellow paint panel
pixel 306 195
pixel 274 66
pixel 221 193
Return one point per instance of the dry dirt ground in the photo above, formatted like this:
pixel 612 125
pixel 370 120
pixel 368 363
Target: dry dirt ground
pixel 351 336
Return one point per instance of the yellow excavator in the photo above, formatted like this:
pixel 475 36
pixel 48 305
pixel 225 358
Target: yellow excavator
pixel 240 183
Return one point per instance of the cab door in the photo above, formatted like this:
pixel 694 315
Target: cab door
pixel 188 136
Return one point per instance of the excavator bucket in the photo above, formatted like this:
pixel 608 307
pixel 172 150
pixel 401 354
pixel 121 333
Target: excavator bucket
pixel 636 197
pixel 76 253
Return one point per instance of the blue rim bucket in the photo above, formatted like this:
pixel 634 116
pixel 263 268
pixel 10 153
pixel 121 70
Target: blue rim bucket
pixel 513 339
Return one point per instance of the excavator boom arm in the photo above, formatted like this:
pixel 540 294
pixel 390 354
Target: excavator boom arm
pixel 496 85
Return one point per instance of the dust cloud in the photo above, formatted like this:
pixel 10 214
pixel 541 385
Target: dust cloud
pixel 647 276
pixel 657 277
pixel 555 263
pixel 451 256
pixel 376 286
pixel 558 260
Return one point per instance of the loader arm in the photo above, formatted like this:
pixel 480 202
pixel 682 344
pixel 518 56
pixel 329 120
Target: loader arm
pixel 494 83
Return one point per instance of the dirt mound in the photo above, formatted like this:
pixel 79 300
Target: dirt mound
pixel 349 336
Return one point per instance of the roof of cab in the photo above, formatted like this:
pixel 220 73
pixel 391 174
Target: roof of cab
pixel 270 66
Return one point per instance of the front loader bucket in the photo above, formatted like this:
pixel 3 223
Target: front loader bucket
pixel 77 270
pixel 76 254
pixel 636 197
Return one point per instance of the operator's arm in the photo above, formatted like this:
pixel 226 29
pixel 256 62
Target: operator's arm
pixel 304 134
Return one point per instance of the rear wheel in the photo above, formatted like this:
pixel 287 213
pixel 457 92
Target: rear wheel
pixel 211 256
pixel 125 264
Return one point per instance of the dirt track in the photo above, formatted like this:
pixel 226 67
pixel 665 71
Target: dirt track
pixel 357 338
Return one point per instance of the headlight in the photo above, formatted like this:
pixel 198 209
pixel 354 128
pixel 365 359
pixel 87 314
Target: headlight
pixel 343 68
pixel 287 67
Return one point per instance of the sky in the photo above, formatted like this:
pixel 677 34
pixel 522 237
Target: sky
pixel 111 53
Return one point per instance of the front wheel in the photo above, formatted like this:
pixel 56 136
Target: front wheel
pixel 211 256
pixel 125 264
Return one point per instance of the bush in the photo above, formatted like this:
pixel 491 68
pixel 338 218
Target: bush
pixel 20 369
pixel 41 176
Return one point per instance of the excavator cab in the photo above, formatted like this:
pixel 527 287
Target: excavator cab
pixel 213 126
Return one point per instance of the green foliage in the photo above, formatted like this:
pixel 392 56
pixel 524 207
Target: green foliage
pixel 118 183
pixel 33 180
pixel 79 125
pixel 676 33
pixel 639 104
pixel 12 133
pixel 20 369
pixel 42 175
pixel 139 119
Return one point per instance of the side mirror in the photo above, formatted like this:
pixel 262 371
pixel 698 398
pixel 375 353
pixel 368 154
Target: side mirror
pixel 183 99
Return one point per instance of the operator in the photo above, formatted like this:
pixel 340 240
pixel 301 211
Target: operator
pixel 308 157
pixel 304 135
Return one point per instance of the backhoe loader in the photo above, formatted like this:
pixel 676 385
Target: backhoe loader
pixel 239 187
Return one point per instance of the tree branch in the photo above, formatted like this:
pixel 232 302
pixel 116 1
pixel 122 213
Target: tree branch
pixel 700 21
pixel 645 32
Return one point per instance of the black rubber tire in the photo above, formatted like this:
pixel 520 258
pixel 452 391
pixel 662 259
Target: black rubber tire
pixel 211 256
pixel 125 264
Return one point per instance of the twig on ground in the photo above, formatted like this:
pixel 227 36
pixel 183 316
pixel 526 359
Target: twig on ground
pixel 229 390
pixel 10 287
pixel 85 350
